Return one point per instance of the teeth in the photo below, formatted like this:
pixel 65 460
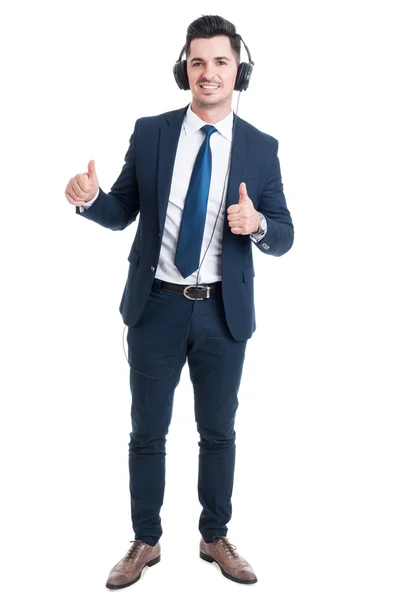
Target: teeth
pixel 209 87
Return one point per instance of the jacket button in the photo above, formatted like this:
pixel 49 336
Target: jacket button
pixel 265 246
pixel 152 268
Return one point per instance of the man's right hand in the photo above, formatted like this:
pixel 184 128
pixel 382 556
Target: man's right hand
pixel 82 187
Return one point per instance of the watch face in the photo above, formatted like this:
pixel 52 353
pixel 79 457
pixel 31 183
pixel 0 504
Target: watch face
pixel 263 223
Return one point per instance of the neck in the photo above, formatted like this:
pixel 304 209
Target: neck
pixel 211 114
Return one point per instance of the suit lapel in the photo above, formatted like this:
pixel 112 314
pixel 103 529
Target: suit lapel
pixel 168 141
pixel 238 163
pixel 237 174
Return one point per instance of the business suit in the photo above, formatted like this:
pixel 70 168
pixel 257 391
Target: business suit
pixel 165 329
pixel 254 161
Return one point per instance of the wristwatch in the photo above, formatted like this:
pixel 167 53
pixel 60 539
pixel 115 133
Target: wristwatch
pixel 263 228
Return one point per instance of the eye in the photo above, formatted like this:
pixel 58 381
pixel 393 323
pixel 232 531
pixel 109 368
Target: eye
pixel 199 63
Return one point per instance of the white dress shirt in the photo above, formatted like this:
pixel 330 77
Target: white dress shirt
pixel 191 139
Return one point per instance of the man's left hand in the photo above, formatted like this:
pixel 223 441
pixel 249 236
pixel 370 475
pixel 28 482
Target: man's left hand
pixel 243 218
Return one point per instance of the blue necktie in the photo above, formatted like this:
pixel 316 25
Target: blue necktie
pixel 193 220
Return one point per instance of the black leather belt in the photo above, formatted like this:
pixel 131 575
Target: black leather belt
pixel 202 291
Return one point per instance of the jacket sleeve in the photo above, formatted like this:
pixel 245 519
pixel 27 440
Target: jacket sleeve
pixel 280 232
pixel 120 207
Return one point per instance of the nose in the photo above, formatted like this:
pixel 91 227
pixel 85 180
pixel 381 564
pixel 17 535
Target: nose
pixel 209 72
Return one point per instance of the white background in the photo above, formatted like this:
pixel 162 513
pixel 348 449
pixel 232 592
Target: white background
pixel 315 496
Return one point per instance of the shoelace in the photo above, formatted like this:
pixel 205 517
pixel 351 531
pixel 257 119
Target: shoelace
pixel 133 550
pixel 230 548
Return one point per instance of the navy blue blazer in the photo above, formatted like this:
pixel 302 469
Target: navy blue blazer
pixel 143 186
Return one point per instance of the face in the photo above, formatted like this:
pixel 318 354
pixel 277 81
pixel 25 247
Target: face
pixel 211 61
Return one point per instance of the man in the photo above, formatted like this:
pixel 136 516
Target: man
pixel 174 172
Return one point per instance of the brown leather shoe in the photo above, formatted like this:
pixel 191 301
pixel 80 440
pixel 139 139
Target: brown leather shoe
pixel 233 566
pixel 128 570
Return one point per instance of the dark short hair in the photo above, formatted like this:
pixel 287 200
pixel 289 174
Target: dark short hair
pixel 209 26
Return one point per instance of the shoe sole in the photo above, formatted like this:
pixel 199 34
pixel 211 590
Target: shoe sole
pixel 210 559
pixel 152 562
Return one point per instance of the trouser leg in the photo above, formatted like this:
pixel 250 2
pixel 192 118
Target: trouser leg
pixel 216 362
pixel 157 354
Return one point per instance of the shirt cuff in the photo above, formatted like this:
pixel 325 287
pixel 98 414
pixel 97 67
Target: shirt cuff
pixel 90 202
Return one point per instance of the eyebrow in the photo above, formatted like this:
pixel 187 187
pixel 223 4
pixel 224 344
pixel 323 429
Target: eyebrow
pixel 215 58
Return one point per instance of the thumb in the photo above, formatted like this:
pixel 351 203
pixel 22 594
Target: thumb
pixel 242 192
pixel 91 170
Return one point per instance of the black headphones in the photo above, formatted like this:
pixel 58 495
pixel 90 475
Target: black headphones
pixel 242 77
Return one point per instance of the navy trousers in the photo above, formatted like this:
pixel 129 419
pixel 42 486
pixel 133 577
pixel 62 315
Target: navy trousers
pixel 171 329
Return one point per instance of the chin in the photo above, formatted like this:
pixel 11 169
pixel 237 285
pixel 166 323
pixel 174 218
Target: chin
pixel 205 100
pixel 210 100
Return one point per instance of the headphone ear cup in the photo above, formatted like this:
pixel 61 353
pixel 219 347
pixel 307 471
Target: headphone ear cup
pixel 243 76
pixel 184 75
pixel 180 74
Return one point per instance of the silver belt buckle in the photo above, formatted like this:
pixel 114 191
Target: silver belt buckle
pixel 203 287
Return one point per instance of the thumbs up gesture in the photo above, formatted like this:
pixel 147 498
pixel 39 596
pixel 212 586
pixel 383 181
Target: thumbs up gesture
pixel 83 186
pixel 243 218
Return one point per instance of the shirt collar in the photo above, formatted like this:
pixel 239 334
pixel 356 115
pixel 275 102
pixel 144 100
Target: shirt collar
pixel 192 123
